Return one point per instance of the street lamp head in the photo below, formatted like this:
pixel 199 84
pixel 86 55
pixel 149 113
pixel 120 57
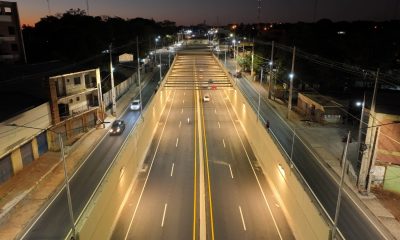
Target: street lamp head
pixel 358 103
pixel 291 75
pixel 233 41
pixel 270 63
pixel 231 35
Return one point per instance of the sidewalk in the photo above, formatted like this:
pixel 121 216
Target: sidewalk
pixel 28 192
pixel 325 142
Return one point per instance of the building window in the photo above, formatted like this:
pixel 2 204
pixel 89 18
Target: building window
pixel 77 81
pixel 77 99
pixel 14 47
pixel 7 10
pixel 71 101
pixel 11 30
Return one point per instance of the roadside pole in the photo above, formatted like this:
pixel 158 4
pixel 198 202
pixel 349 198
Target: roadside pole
pixel 339 198
pixel 271 63
pixel 140 85
pixel 259 94
pixel 291 84
pixel 114 104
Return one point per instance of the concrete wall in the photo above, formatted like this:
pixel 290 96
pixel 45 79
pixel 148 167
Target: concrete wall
pixel 97 220
pixel 392 180
pixel 304 218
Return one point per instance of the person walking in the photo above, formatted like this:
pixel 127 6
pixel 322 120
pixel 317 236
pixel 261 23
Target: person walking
pixel 267 125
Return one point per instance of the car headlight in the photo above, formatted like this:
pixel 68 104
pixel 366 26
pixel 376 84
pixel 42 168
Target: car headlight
pixel 118 130
pixel 111 131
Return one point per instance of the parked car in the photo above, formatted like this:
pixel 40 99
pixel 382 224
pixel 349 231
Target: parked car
pixel 135 105
pixel 117 127
pixel 206 97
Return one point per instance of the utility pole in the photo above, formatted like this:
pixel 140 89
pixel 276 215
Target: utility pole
pixel 271 63
pixel 114 104
pixel 225 57
pixel 138 67
pixel 366 158
pixel 339 198
pixel 87 7
pixel 259 94
pixel 48 7
pixel 291 83
pixel 252 60
pixel 160 68
pixel 372 161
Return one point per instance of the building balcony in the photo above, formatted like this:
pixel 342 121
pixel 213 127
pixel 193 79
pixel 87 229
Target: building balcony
pixel 64 98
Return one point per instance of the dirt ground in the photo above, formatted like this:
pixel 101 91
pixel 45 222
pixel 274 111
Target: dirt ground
pixel 390 200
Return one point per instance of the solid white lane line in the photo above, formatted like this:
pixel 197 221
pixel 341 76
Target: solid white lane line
pixel 223 141
pixel 241 215
pixel 230 169
pixel 163 216
pixel 180 122
pixel 184 93
pixel 183 101
pixel 182 110
pixel 172 169
pixel 177 141
pixel 148 174
pixel 254 172
pixel 219 125
pixel 215 111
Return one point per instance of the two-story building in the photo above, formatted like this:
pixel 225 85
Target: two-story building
pixel 75 102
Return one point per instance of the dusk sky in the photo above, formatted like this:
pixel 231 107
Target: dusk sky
pixel 186 12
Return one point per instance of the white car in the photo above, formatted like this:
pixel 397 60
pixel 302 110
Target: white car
pixel 135 105
pixel 206 97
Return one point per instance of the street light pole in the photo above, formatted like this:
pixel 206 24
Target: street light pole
pixel 160 67
pixel 114 104
pixel 225 57
pixel 291 84
pixel 71 213
pixel 270 85
pixel 359 147
pixel 252 60
pixel 259 94
pixel 339 198
pixel 138 67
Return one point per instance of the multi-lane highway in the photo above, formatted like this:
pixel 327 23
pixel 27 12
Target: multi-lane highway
pixel 200 182
pixel 354 222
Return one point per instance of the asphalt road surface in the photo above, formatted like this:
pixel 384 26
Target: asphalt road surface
pixel 54 222
pixel 353 223
pixel 200 182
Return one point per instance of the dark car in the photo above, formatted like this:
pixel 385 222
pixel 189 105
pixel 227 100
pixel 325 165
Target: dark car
pixel 117 127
